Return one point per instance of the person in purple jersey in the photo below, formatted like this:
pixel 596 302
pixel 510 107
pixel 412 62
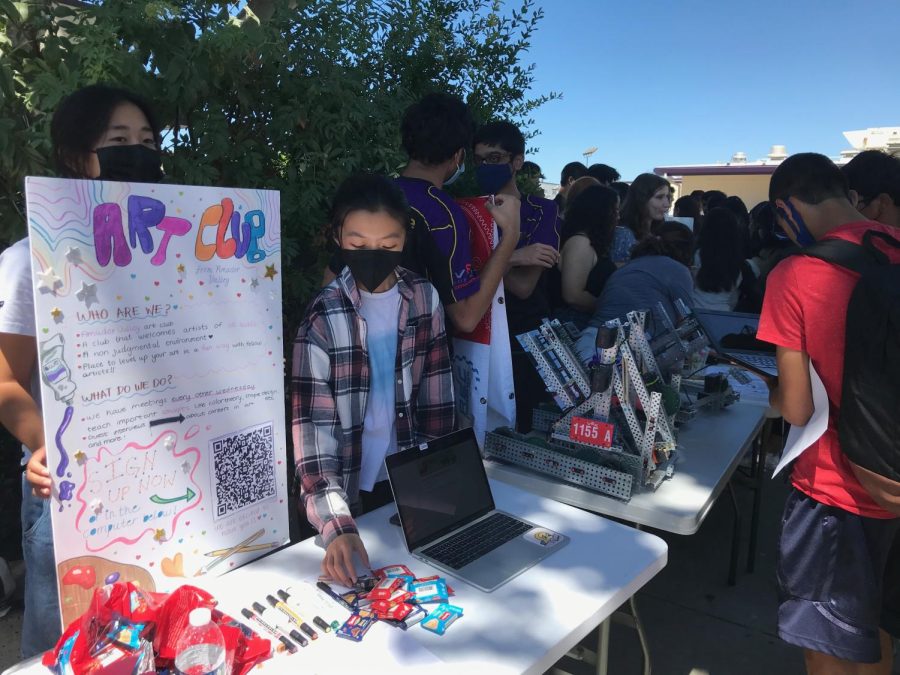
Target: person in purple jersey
pixel 499 152
pixel 435 133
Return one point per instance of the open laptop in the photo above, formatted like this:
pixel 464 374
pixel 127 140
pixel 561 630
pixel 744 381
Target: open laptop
pixel 733 336
pixel 448 517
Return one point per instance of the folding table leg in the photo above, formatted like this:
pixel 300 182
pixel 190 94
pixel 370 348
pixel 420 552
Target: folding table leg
pixel 735 538
pixel 603 648
pixel 759 479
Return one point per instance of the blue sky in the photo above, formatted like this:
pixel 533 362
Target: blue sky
pixel 654 83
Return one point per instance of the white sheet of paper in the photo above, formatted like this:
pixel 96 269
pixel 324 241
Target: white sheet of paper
pixel 800 438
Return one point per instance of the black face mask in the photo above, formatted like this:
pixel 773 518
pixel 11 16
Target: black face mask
pixel 371 266
pixel 132 163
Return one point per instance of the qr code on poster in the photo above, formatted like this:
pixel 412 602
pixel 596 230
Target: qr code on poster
pixel 243 468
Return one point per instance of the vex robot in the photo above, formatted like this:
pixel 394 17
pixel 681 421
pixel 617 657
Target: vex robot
pixel 614 429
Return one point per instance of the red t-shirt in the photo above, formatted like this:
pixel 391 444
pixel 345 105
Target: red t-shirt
pixel 805 308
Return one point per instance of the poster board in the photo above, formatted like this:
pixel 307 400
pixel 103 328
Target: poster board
pixel 158 318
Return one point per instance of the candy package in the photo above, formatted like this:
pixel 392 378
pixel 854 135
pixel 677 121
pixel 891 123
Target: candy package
pixel 394 571
pixel 415 616
pixel 450 591
pixel 385 588
pixel 429 591
pixel 356 627
pixel 439 620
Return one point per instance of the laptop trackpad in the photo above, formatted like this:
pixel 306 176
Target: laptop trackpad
pixel 512 558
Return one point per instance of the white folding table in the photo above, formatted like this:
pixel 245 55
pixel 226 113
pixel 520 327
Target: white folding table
pixel 525 626
pixel 710 447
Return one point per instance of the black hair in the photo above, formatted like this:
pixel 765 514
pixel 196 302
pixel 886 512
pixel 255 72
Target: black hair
pixel 810 177
pixel 368 192
pixel 532 169
pixel 639 193
pixel 593 214
pixel 503 134
pixel 715 202
pixel 573 171
pixel 436 128
pixel 622 188
pixel 712 194
pixel 737 206
pixel 604 173
pixel 872 173
pixel 721 251
pixel 80 121
pixel 763 228
pixel 687 207
pixel 672 239
pixel 697 194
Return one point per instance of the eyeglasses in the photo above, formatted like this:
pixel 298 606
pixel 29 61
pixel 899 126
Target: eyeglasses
pixel 497 157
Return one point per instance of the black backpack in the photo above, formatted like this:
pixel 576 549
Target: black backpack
pixel 869 423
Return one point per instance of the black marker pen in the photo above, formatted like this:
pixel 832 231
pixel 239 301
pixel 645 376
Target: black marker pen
pixel 325 588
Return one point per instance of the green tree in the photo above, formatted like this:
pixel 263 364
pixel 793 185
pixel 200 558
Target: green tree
pixel 291 95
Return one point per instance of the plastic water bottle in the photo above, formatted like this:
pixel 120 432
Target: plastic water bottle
pixel 201 649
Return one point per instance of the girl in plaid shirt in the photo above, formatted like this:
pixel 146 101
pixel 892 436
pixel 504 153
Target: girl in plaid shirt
pixel 371 370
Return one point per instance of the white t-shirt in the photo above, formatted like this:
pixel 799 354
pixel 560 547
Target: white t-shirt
pixel 17 303
pixel 722 301
pixel 379 438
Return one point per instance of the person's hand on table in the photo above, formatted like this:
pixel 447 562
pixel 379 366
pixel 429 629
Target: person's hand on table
pixel 338 561
pixel 537 255
pixel 37 473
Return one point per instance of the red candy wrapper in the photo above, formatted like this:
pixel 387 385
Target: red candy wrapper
pixel 385 588
pixel 393 571
pixel 384 610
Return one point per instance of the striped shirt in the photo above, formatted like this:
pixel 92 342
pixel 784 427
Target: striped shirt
pixel 330 386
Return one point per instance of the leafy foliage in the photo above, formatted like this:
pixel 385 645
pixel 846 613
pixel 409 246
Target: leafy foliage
pixel 291 95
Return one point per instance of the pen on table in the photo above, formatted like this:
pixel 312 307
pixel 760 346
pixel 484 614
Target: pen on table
pixel 274 632
pixel 317 620
pixel 325 588
pixel 270 617
pixel 292 616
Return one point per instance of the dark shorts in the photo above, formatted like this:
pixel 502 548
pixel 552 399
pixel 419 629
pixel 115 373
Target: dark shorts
pixel 890 610
pixel 831 567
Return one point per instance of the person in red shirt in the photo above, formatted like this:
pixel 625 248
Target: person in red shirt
pixel 835 537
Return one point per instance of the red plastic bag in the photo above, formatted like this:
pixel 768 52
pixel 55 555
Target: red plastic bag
pixel 166 616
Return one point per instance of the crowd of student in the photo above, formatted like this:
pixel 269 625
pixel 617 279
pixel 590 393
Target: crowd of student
pixel 372 358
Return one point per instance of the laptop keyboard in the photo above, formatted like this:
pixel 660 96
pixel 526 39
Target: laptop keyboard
pixel 476 540
pixel 762 360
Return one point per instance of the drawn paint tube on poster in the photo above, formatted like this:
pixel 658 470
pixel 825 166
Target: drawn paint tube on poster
pixel 55 371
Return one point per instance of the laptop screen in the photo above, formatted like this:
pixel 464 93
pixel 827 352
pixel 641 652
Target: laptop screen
pixel 732 331
pixel 440 488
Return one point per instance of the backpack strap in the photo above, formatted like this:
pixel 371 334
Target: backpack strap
pixel 854 257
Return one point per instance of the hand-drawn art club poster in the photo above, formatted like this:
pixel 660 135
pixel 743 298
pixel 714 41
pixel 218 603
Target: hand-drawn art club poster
pixel 158 314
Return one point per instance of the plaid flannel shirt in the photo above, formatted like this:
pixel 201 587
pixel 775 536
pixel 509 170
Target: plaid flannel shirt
pixel 330 386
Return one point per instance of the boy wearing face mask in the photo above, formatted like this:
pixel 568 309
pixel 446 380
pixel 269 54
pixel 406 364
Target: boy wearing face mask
pixel 499 153
pixel 834 583
pixel 435 133
pixel 371 371
pixel 98 132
